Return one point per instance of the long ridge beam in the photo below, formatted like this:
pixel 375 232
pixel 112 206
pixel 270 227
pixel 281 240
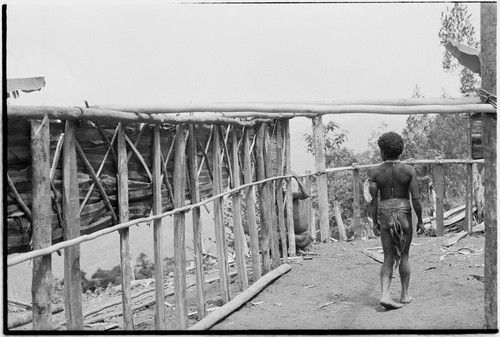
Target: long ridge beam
pixel 228 114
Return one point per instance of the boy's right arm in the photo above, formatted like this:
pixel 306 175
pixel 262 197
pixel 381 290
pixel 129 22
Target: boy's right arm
pixel 373 208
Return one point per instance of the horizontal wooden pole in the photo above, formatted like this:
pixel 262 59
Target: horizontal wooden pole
pixel 395 102
pixel 240 299
pixel 100 115
pixel 284 106
pixel 88 237
pixel 412 162
pixel 12 261
pixel 307 110
pixel 164 114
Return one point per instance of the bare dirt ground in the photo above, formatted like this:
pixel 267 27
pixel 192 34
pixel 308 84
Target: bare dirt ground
pixel 339 289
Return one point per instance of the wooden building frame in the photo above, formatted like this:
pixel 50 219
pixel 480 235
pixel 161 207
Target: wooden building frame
pixel 232 143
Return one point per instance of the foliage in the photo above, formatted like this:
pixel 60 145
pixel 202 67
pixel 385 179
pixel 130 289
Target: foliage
pixel 374 150
pixel 340 186
pixel 456 24
pixel 428 137
pixel 332 137
pixel 103 278
pixel 144 268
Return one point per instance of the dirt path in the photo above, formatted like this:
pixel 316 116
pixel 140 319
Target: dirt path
pixel 339 289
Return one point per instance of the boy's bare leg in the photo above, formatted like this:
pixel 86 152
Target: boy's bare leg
pixel 404 267
pixel 386 272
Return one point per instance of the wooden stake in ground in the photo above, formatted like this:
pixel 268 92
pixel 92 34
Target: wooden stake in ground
pixel 271 208
pixel 240 299
pixel 338 219
pixel 488 83
pixel 279 191
pixel 250 204
pixel 310 211
pixel 41 289
pixel 123 205
pixel 438 171
pixel 157 232
pixel 179 229
pixel 220 236
pixel 239 235
pixel 264 200
pixel 356 206
pixel 468 183
pixel 289 193
pixel 72 275
pixel 195 197
pixel 319 159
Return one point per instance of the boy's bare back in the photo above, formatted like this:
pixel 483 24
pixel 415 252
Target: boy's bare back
pixel 395 180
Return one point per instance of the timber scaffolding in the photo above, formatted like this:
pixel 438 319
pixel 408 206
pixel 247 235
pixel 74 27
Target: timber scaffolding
pixel 153 149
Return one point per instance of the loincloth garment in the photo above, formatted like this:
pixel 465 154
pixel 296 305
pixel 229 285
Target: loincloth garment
pixel 394 207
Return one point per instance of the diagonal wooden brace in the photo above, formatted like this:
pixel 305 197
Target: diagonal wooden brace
pixel 96 181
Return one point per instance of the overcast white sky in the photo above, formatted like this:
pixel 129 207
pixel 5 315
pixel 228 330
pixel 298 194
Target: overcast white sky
pixel 163 53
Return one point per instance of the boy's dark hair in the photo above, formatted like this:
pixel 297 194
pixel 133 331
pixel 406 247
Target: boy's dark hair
pixel 391 144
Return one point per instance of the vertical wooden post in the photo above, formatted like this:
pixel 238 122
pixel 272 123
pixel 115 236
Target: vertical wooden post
pixel 273 224
pixel 157 232
pixel 468 183
pixel 279 190
pixel 438 171
pixel 239 235
pixel 250 204
pixel 41 289
pixel 179 228
pixel 72 277
pixel 319 157
pixel 338 219
pixel 488 83
pixel 264 200
pixel 356 206
pixel 195 197
pixel 220 236
pixel 310 212
pixel 289 193
pixel 125 255
pixel 468 198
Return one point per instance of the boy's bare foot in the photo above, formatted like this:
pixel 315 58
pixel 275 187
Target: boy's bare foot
pixel 407 299
pixel 390 304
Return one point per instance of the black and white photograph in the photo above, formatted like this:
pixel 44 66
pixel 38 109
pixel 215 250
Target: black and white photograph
pixel 239 167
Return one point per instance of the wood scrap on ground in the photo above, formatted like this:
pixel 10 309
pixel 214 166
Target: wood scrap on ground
pixel 376 255
pixel 169 292
pixel 454 239
pixel 28 318
pixel 478 228
pixel 242 298
pixel 326 304
pixel 478 277
pixel 21 304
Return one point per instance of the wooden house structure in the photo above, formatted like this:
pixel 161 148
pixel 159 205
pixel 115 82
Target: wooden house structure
pixel 118 166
